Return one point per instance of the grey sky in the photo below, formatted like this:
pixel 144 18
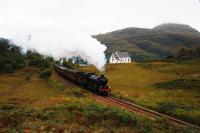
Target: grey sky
pixel 98 16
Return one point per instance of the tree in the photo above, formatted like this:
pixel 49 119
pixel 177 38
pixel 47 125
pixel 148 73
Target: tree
pixel 34 59
pixel 67 64
pixel 11 57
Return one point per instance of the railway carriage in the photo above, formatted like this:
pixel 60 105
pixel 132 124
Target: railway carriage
pixel 94 83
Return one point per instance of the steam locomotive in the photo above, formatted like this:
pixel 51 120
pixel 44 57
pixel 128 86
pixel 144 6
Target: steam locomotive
pixel 94 83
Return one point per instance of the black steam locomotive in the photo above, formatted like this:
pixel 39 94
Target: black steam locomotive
pixel 94 83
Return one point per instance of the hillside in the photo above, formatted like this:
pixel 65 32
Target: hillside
pixel 184 54
pixel 156 43
pixel 172 88
pixel 176 28
pixel 58 106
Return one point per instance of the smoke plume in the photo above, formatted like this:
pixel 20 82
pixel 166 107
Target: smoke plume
pixel 55 39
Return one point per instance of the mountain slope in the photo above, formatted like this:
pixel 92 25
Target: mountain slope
pixel 193 53
pixel 156 43
pixel 176 28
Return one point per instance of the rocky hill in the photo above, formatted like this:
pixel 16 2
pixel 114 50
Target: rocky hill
pixel 148 44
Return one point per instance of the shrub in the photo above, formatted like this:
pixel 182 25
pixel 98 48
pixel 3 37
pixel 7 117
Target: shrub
pixel 56 84
pixel 34 59
pixel 78 93
pixel 68 65
pixel 45 74
pixel 191 119
pixel 166 107
pixel 179 84
pixel 6 66
pixel 28 77
pixel 12 115
pixel 11 57
pixel 96 113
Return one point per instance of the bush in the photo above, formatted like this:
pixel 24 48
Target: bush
pixel 28 77
pixel 56 84
pixel 11 57
pixel 34 59
pixel 45 74
pixel 68 65
pixel 96 113
pixel 78 94
pixel 39 62
pixel 11 115
pixel 179 84
pixel 6 66
pixel 167 107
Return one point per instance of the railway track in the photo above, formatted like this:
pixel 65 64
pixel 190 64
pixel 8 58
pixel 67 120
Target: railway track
pixel 142 110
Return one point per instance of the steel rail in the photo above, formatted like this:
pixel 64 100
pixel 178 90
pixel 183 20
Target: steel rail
pixel 149 112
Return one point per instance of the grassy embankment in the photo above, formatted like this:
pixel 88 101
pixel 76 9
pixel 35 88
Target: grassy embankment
pixel 28 104
pixel 170 88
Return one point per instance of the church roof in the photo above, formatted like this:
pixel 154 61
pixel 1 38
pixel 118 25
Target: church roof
pixel 122 54
pixel 116 56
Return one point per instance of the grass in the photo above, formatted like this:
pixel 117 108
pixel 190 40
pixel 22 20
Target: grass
pixel 37 105
pixel 79 116
pixel 186 84
pixel 15 89
pixel 167 87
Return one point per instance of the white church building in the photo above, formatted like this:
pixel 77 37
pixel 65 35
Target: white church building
pixel 120 57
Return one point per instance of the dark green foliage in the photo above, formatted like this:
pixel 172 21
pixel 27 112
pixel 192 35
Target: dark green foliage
pixel 6 68
pixel 186 54
pixel 186 84
pixel 11 57
pixel 68 64
pixel 34 59
pixel 194 120
pixel 77 60
pixel 166 108
pixel 172 108
pixel 72 62
pixel 97 114
pixel 45 74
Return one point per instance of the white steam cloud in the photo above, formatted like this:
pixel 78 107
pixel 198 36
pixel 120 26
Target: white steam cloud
pixel 56 39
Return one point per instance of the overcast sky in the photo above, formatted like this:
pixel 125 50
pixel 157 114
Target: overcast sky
pixel 97 16
pixel 63 28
